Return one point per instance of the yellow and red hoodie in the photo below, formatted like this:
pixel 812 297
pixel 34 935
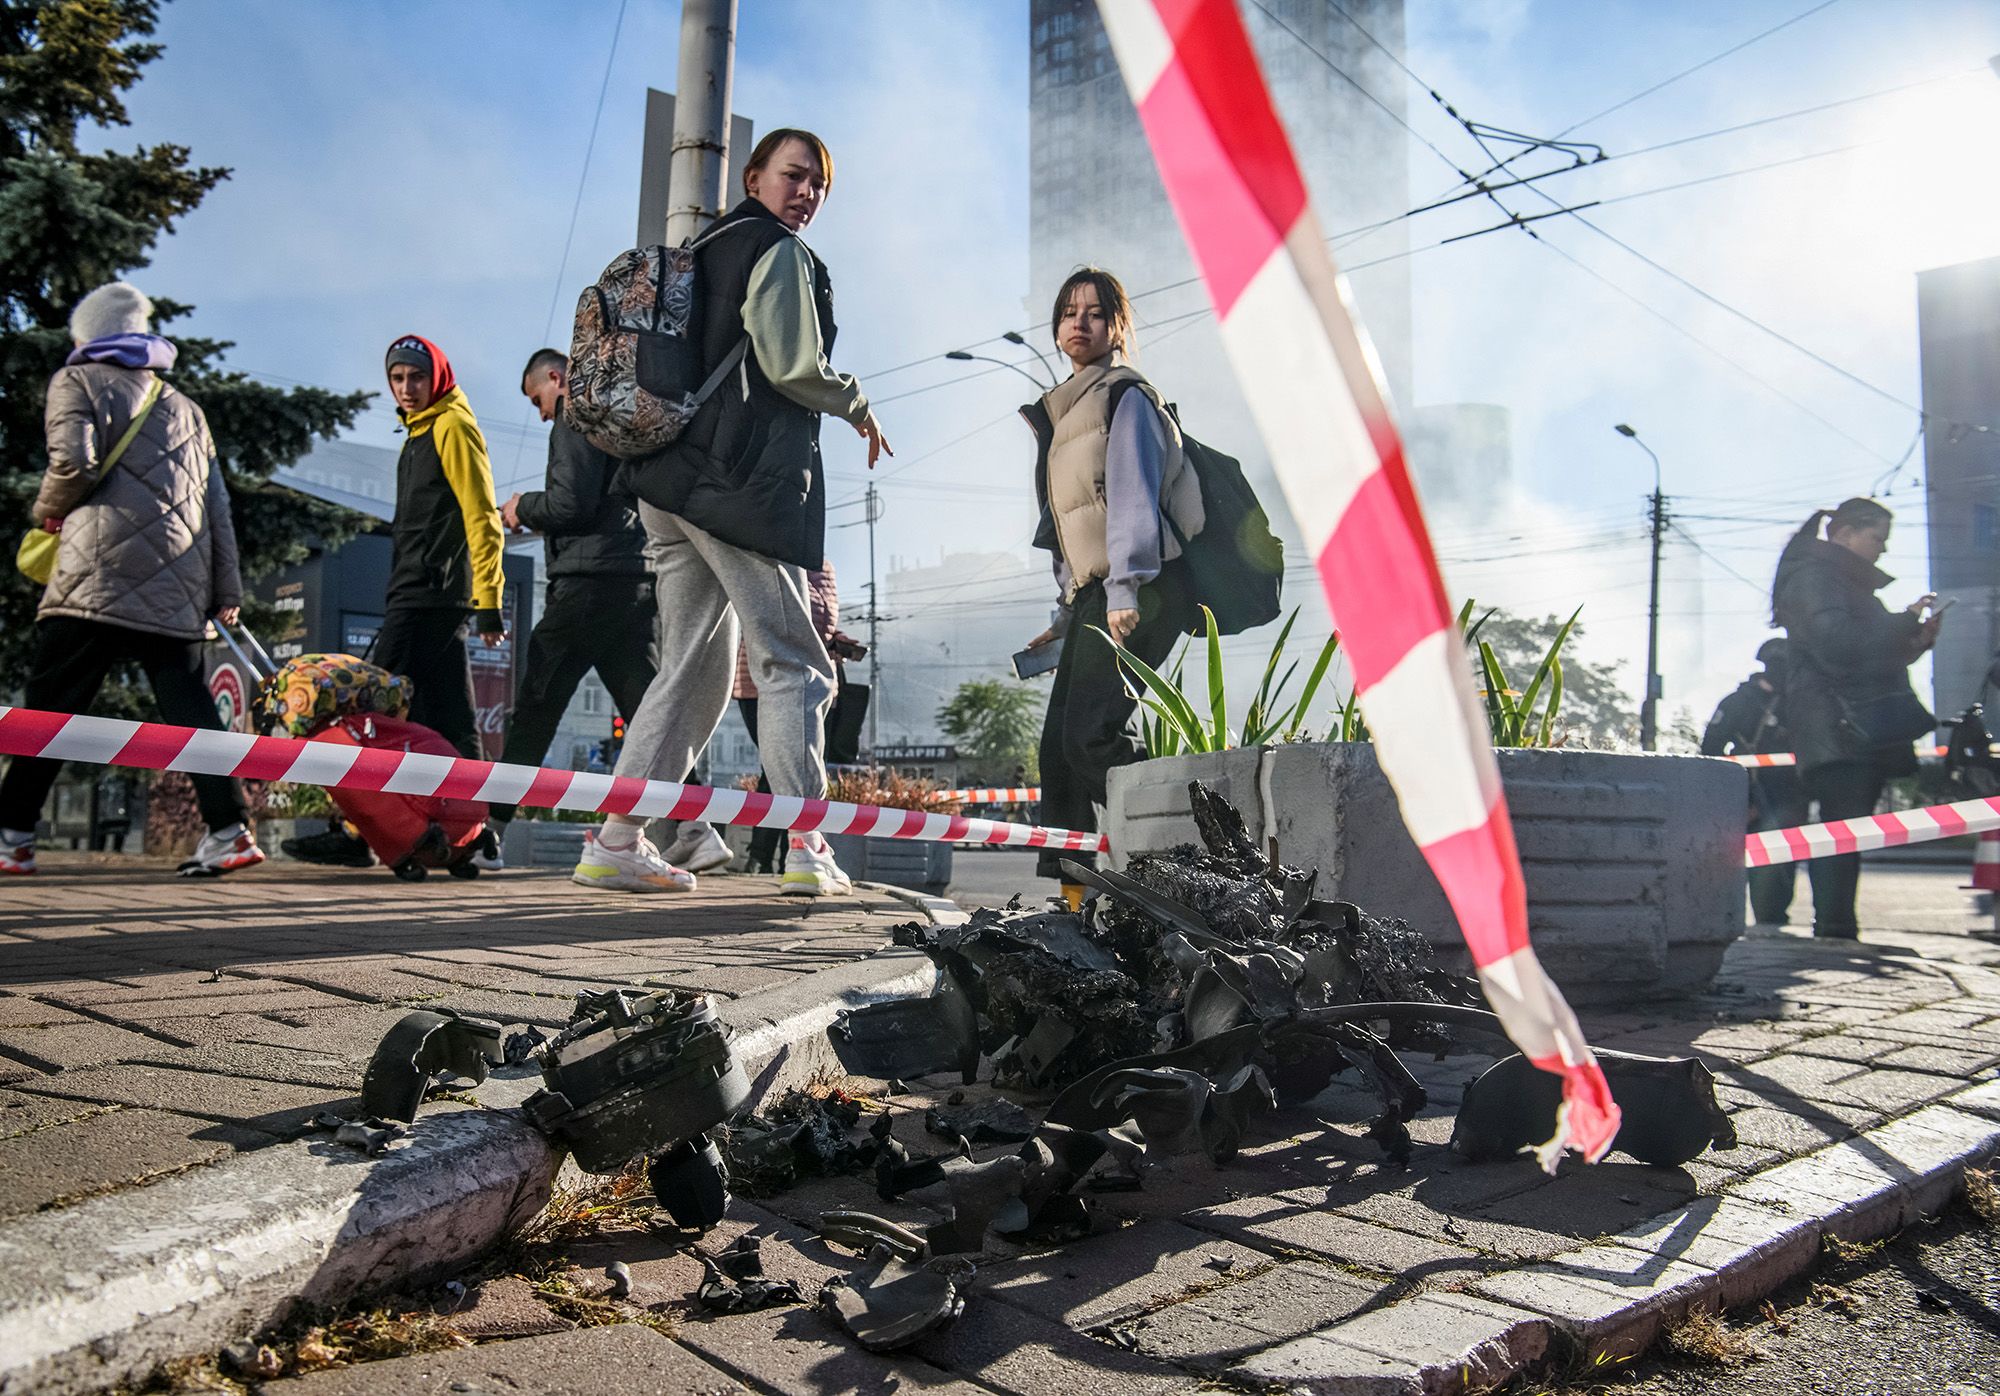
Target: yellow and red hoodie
pixel 447 536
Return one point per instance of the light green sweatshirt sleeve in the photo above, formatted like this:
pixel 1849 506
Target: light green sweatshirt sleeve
pixel 779 317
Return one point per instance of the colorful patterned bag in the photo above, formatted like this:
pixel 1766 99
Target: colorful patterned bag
pixel 635 378
pixel 314 689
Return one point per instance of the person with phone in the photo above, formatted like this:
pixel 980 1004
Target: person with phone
pixel 1847 700
pixel 1110 477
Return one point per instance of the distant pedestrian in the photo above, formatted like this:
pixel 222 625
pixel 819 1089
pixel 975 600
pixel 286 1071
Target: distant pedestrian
pixel 1847 697
pixel 445 564
pixel 599 611
pixel 1117 497
pixel 1746 723
pixel 765 853
pixel 735 512
pixel 148 555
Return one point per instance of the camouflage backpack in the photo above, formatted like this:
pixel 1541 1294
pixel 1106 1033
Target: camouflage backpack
pixel 635 378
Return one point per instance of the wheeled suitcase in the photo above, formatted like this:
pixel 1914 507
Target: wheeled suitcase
pixel 411 834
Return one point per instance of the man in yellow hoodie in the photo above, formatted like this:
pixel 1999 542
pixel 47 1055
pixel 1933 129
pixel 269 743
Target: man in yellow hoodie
pixel 447 544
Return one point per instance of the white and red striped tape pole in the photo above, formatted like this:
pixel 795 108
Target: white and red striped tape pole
pixel 1870 831
pixel 990 795
pixel 1789 758
pixel 1311 380
pixel 158 746
pixel 1986 862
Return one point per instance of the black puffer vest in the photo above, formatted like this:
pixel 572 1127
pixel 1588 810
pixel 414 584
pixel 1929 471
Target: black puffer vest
pixel 747 469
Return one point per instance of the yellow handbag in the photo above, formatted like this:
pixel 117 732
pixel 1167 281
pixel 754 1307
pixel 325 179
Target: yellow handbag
pixel 36 557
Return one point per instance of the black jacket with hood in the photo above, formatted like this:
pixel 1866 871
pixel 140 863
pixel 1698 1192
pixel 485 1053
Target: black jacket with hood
pixel 589 526
pixel 1846 650
pixel 747 469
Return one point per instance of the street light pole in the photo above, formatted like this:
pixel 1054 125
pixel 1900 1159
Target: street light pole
pixel 965 356
pixel 1013 337
pixel 698 166
pixel 1649 711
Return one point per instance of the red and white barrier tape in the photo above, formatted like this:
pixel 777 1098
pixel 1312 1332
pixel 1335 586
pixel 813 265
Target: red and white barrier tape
pixel 1870 831
pixel 1313 385
pixel 1787 758
pixel 158 746
pixel 990 795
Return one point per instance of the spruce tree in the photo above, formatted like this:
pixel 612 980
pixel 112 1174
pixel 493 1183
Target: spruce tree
pixel 71 221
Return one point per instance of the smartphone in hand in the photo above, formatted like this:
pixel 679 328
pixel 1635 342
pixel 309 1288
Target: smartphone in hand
pixel 1040 660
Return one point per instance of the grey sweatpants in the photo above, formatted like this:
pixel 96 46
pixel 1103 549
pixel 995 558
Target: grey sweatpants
pixel 709 594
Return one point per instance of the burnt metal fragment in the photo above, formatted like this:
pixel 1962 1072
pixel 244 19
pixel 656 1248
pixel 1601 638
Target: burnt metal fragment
pixel 1670 1111
pixel 634 1074
pixel 863 1232
pixel 902 1038
pixel 420 1046
pixel 889 1303
pixel 735 1282
pixel 995 1121
pixel 802 1136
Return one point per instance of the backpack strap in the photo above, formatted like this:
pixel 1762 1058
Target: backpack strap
pixel 722 372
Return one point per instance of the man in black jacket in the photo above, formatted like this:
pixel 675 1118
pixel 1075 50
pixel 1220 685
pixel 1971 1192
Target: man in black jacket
pixel 599 612
pixel 1746 723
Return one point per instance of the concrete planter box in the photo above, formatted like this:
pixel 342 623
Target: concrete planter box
pixel 922 865
pixel 543 843
pixel 1634 864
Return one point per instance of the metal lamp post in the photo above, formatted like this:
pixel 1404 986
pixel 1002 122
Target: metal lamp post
pixel 965 356
pixel 1649 711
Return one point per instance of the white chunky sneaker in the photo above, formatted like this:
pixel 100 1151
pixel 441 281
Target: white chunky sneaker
pixel 639 868
pixel 486 854
pixel 698 848
pixel 810 870
pixel 17 854
pixel 223 851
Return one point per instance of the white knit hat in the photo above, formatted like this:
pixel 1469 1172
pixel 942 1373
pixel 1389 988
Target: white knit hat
pixel 117 307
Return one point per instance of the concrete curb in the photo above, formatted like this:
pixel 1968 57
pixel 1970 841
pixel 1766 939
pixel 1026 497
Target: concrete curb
pixel 1612 1297
pixel 102 1292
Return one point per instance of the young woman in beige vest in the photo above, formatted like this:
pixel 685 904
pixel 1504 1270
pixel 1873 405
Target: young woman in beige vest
pixel 1117 498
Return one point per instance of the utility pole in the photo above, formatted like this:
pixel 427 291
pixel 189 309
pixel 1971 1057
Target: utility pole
pixel 872 507
pixel 1649 714
pixel 700 157
pixel 1649 710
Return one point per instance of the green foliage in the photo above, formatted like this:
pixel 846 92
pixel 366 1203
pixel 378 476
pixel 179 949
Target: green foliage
pixel 70 222
pixel 997 727
pixel 1169 724
pixel 1172 726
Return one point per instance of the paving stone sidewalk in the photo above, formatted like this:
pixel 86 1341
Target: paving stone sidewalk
pixel 1310 1262
pixel 149 1024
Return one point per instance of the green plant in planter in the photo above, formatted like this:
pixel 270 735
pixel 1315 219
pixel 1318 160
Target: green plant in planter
pixel 1170 726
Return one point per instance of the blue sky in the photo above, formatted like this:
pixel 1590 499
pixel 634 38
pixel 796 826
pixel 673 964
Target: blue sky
pixel 413 167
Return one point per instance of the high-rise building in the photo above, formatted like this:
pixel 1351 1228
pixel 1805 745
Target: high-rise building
pixel 1958 333
pixel 1095 195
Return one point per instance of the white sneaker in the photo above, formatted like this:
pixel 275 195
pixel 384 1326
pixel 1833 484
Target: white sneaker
pixel 223 851
pixel 810 870
pixel 17 854
pixel 486 854
pixel 698 848
pixel 639 868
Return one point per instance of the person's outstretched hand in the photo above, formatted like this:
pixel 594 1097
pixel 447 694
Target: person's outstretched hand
pixel 1121 624
pixel 878 444
pixel 229 615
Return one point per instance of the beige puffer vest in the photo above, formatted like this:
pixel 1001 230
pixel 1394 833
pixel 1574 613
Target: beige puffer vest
pixel 1080 413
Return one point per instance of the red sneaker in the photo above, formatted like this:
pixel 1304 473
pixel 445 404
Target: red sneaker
pixel 17 859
